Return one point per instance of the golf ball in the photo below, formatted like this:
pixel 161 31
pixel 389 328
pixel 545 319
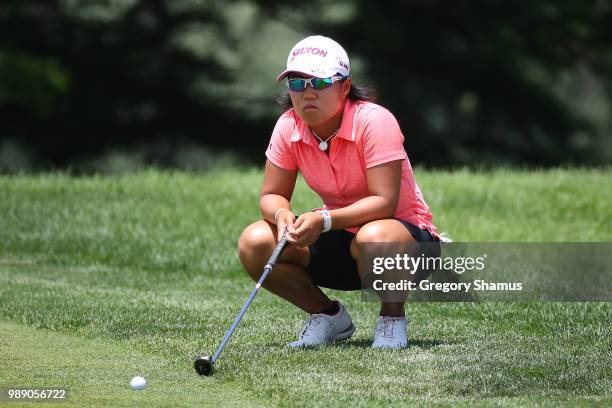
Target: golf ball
pixel 138 383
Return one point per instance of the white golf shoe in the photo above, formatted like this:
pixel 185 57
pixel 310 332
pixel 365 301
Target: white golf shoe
pixel 321 328
pixel 390 333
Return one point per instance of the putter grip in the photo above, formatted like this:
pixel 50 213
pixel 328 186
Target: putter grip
pixel 277 251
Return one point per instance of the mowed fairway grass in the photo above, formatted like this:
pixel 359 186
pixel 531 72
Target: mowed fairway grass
pixel 102 279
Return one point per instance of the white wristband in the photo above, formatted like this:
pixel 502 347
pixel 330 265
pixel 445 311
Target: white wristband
pixel 327 221
pixel 278 212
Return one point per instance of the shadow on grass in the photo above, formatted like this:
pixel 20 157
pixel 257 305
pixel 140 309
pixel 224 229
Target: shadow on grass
pixel 364 344
pixel 367 343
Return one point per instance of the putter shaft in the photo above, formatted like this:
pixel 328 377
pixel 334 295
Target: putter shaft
pixel 267 269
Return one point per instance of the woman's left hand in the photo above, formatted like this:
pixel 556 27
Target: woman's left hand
pixel 306 229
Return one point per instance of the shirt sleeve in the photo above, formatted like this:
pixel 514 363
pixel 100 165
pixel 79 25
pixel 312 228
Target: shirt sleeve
pixel 382 138
pixel 279 148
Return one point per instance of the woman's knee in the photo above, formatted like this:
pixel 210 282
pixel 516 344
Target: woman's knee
pixel 256 243
pixel 388 230
pixel 372 232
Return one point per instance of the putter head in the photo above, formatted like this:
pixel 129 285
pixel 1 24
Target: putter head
pixel 203 365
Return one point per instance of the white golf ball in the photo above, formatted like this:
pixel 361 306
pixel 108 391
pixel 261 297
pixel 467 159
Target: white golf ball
pixel 138 383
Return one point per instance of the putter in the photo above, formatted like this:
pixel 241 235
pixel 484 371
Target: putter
pixel 204 364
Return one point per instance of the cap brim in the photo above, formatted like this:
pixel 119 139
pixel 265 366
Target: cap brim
pixel 284 74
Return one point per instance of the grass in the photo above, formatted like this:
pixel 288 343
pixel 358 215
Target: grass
pixel 102 279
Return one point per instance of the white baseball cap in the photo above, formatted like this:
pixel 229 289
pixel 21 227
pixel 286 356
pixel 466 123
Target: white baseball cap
pixel 317 56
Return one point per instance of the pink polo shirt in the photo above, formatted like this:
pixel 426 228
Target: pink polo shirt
pixel 369 135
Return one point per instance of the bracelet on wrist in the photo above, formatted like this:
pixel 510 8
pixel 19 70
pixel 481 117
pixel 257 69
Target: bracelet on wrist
pixel 327 221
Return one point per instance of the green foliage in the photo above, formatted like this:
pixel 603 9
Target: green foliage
pixel 35 82
pixel 472 83
pixel 491 81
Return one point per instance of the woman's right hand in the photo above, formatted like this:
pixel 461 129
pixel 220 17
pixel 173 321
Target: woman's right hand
pixel 284 220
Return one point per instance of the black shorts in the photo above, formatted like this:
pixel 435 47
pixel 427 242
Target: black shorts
pixel 331 264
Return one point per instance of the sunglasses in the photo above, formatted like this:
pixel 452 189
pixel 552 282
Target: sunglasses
pixel 299 84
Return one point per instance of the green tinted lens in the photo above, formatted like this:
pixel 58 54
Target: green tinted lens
pixel 296 85
pixel 321 83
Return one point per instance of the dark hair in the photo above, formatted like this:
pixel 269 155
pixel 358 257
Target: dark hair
pixel 357 93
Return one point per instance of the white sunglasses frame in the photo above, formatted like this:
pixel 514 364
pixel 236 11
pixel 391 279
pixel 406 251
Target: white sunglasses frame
pixel 308 81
